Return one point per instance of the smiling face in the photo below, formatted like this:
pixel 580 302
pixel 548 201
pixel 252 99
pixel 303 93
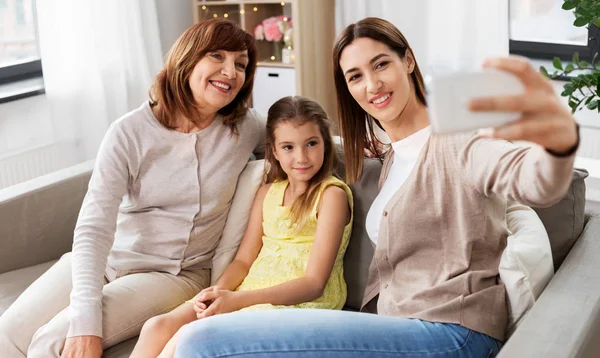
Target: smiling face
pixel 217 78
pixel 377 78
pixel 299 149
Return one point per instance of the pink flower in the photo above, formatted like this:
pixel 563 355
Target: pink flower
pixel 271 30
pixel 259 32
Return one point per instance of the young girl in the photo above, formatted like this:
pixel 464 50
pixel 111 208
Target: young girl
pixel 293 249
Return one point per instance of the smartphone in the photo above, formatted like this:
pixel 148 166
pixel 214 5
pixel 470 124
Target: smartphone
pixel 449 95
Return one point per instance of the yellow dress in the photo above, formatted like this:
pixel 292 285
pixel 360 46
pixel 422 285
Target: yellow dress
pixel 284 254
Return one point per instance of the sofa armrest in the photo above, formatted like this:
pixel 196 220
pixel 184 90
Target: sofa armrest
pixel 37 217
pixel 565 320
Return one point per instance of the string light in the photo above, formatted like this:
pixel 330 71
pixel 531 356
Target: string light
pixel 204 7
pixel 282 3
pixel 215 15
pixel 285 19
pixel 226 15
pixel 255 8
pixel 272 58
pixel 289 47
pixel 242 11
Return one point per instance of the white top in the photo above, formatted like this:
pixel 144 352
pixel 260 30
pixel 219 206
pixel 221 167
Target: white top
pixel 157 201
pixel 406 152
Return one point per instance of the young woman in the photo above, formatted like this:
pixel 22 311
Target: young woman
pixel 156 204
pixel 439 222
pixel 293 250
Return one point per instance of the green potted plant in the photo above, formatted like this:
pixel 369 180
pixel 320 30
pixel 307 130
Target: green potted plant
pixel 582 90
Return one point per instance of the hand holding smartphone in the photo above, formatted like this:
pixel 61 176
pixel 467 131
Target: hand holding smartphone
pixel 449 97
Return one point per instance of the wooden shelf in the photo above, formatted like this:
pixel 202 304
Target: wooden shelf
pixel 259 2
pixel 207 3
pixel 275 64
pixel 239 2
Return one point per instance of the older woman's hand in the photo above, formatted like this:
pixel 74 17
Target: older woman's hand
pixel 545 120
pixel 82 347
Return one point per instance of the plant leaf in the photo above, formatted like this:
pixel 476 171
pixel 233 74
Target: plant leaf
pixel 576 58
pixel 572 103
pixel 544 71
pixel 581 21
pixel 557 64
pixel 569 5
pixel 592 105
pixel 569 68
pixel 583 64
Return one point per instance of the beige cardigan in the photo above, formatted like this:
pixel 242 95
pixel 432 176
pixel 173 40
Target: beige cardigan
pixel 157 201
pixel 443 232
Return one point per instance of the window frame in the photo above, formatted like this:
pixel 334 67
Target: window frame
pixel 21 71
pixel 546 50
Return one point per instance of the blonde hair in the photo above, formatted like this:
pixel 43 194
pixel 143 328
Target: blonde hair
pixel 300 110
pixel 171 94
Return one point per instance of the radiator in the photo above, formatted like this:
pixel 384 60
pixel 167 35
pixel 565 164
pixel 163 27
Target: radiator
pixel 590 143
pixel 19 167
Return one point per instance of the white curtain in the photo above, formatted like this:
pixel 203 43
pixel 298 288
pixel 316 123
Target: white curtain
pixel 446 36
pixel 99 59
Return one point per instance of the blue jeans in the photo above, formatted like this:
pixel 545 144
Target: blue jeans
pixel 311 333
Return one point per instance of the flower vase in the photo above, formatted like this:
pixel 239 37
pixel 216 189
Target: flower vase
pixel 276 51
pixel 287 55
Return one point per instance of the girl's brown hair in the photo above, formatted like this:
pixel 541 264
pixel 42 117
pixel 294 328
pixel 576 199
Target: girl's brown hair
pixel 299 110
pixel 356 135
pixel 171 94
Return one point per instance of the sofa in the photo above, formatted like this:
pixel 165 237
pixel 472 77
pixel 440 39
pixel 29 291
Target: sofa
pixel 37 219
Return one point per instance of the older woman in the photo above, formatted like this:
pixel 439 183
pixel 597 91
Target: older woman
pixel 156 206
pixel 438 223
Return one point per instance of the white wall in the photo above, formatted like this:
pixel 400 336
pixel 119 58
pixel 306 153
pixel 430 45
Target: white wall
pixel 174 16
pixel 23 122
pixel 25 125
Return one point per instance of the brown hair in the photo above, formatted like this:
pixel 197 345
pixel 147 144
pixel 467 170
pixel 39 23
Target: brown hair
pixel 353 130
pixel 300 110
pixel 171 94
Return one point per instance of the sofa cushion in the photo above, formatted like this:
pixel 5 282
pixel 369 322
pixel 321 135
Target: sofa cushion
pixel 360 248
pixel 121 350
pixel 237 219
pixel 564 220
pixel 13 283
pixel 526 263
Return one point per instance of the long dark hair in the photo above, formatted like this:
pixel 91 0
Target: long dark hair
pixel 300 110
pixel 171 94
pixel 356 135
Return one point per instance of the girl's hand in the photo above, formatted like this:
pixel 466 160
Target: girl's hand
pixel 200 305
pixel 223 301
pixel 544 119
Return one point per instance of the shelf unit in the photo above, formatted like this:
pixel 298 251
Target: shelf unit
pixel 313 36
pixel 248 14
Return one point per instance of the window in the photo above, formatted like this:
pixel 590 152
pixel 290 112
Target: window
pixel 542 29
pixel 19 54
